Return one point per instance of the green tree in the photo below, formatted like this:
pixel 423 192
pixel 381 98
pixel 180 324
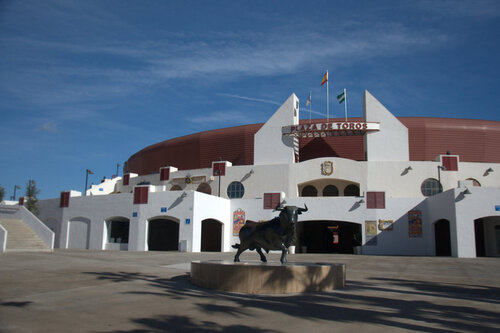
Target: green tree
pixel 31 201
pixel 2 193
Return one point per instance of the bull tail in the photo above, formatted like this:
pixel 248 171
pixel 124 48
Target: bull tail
pixel 235 246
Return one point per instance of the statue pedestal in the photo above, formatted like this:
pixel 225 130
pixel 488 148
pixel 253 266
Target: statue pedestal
pixel 267 278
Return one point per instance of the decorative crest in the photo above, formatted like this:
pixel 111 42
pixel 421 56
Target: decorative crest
pixel 327 168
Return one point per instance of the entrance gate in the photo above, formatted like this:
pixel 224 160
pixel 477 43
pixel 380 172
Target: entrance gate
pixel 442 238
pixel 163 235
pixel 328 236
pixel 211 232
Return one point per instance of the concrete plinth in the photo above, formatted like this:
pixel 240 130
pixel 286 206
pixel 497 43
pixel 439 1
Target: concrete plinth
pixel 267 278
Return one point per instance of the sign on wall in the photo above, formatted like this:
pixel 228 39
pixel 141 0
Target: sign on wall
pixel 385 225
pixel 238 221
pixel 314 130
pixel 415 224
pixel 371 228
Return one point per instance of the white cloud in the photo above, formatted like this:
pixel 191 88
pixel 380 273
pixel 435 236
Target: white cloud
pixel 47 127
pixel 253 99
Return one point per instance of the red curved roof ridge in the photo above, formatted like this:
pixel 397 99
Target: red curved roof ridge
pixel 473 140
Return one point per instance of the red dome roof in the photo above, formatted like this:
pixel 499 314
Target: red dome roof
pixel 473 140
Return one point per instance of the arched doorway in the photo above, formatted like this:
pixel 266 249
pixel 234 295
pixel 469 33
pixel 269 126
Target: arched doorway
pixel 487 236
pixel 328 236
pixel 442 238
pixel 211 235
pixel 163 235
pixel 117 233
pixel 78 233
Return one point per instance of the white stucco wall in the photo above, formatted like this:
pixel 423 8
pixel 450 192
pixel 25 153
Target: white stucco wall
pixel 270 146
pixel 391 142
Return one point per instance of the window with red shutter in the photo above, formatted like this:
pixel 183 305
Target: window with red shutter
pixel 141 195
pixel 271 200
pixel 375 200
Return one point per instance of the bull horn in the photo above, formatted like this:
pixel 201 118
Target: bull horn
pixel 303 209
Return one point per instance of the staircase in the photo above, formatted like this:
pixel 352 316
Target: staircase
pixel 21 238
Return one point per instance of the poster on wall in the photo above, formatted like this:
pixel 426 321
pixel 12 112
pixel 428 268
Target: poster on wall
pixel 385 225
pixel 371 228
pixel 370 232
pixel 415 223
pixel 238 221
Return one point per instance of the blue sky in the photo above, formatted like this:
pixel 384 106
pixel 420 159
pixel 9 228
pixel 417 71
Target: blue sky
pixel 85 84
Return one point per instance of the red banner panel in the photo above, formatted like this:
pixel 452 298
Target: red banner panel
pixel 126 179
pixel 64 202
pixel 164 174
pixel 450 163
pixel 219 169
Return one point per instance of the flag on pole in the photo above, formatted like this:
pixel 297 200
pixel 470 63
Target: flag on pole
pixel 325 78
pixel 308 100
pixel 341 97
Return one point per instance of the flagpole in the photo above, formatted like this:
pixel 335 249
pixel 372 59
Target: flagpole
pixel 345 103
pixel 310 106
pixel 327 113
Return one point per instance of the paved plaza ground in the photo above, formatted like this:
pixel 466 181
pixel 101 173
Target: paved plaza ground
pixel 98 291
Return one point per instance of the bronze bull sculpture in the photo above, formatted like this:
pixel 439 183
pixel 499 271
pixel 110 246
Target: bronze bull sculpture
pixel 276 234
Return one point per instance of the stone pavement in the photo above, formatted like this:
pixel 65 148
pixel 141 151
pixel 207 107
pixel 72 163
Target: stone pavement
pixel 98 291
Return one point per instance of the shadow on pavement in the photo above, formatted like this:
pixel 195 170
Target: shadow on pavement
pixel 396 303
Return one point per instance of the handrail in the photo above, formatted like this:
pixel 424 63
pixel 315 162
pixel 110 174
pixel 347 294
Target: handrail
pixel 3 239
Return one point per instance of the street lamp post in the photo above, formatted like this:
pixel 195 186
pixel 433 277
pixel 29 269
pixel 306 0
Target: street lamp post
pixel 16 187
pixel 87 180
pixel 440 167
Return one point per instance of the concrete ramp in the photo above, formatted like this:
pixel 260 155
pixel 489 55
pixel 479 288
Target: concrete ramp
pixel 21 238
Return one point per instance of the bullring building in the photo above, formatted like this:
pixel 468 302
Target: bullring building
pixel 379 184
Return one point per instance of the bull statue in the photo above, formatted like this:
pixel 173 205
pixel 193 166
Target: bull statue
pixel 276 234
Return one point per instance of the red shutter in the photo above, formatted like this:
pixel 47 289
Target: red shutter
pixel 141 195
pixel 267 200
pixel 380 200
pixel 126 179
pixel 375 200
pixel 219 169
pixel 21 201
pixel 164 174
pixel 64 202
pixel 450 163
